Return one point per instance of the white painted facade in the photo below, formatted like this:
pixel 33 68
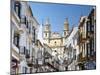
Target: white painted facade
pixel 27 33
pixel 72 49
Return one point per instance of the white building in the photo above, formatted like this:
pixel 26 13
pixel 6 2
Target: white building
pixel 72 49
pixel 23 38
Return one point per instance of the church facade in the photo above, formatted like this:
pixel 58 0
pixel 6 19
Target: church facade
pixel 54 40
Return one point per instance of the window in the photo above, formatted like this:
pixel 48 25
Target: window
pixel 83 50
pixel 64 33
pixel 23 19
pixel 92 19
pixel 47 27
pixel 33 32
pixel 92 46
pixel 55 42
pixel 29 29
pixel 55 50
pixel 88 25
pixel 92 28
pixel 22 50
pixel 88 45
pixel 17 7
pixel 30 26
pixel 27 24
pixel 27 52
pixel 74 54
pixel 49 40
pixel 46 34
pixel 39 54
pixel 33 52
pixel 73 41
pixel 16 39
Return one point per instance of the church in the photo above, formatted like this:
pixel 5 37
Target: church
pixel 53 39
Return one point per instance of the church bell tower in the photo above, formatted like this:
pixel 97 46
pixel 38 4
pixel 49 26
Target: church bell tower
pixel 66 28
pixel 46 31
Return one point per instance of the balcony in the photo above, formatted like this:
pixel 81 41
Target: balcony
pixel 16 20
pixel 27 56
pixel 21 29
pixel 24 23
pixel 14 47
pixel 82 37
pixel 15 51
pixel 17 23
pixel 22 52
pixel 29 62
pixel 90 34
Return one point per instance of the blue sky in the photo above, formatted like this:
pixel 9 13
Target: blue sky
pixel 57 14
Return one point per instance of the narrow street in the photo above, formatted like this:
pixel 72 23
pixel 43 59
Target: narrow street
pixel 45 47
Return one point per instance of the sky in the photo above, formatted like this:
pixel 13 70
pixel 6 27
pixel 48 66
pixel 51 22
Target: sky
pixel 57 13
